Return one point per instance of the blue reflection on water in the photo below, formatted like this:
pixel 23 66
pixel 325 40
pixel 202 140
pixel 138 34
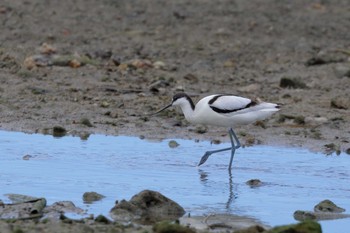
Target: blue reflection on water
pixel 119 167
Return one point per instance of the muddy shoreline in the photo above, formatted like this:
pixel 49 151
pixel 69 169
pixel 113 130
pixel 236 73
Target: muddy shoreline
pixel 115 63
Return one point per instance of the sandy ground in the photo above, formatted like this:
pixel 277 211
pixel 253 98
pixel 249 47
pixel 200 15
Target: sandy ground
pixel 141 53
pixel 102 66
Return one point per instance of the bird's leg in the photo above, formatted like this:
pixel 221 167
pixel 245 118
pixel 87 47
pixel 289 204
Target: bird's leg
pixel 234 137
pixel 208 153
pixel 235 146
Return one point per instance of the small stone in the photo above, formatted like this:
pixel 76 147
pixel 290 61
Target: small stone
pixel 157 85
pixel 86 122
pixel 104 104
pixel 347 151
pixel 173 144
pixel 159 65
pixel 250 88
pixel 179 89
pixel 340 102
pixel 331 148
pixel 191 77
pixel 342 71
pixel 116 60
pixel 140 63
pixel 294 83
pixel 100 53
pixel 36 61
pixel 254 183
pixel 201 129
pixel 89 197
pixel 102 219
pixel 215 141
pixel 47 49
pixel 58 131
pixel 123 67
pixel 325 57
pixel 229 63
pixel 74 63
pixel 27 157
pixel 328 206
pixel 315 120
pixel 302 215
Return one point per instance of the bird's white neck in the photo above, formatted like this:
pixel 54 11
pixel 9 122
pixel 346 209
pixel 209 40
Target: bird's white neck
pixel 188 111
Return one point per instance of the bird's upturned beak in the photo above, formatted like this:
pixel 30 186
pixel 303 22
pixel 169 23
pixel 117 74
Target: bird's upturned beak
pixel 168 106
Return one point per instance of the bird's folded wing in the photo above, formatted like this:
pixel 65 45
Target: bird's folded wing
pixel 229 103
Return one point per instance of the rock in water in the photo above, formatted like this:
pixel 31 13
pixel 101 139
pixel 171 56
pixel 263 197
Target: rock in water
pixel 147 207
pixel 89 197
pixel 328 206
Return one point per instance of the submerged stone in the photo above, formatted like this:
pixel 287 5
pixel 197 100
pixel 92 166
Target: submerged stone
pixel 89 197
pixel 254 183
pixel 302 215
pixel 173 144
pixel 328 206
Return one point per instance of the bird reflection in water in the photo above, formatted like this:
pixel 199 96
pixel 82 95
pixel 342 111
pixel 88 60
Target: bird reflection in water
pixel 204 179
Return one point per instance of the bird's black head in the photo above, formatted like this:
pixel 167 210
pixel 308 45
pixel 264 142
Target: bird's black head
pixel 177 99
pixel 183 95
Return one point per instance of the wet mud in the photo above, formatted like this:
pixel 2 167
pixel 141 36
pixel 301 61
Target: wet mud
pixel 85 67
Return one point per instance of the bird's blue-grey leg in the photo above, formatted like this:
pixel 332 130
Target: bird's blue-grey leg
pixel 208 153
pixel 235 146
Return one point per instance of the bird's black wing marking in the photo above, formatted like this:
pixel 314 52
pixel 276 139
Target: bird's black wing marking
pixel 233 104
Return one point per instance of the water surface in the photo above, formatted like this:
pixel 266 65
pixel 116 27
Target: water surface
pixel 119 167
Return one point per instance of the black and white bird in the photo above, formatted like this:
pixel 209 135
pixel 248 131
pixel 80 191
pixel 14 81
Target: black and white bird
pixel 223 111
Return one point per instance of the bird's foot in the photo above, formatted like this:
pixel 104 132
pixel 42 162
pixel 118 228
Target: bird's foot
pixel 204 158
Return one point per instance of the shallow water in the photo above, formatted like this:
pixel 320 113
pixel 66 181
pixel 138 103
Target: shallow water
pixel 119 167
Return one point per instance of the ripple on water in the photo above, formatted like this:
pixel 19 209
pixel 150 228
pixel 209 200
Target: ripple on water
pixel 119 167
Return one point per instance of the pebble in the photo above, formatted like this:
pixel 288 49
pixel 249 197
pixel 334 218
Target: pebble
pixel 159 65
pixel 85 121
pixel 89 197
pixel 325 57
pixel 102 219
pixel 36 61
pixel 341 71
pixel 173 144
pixel 328 206
pixel 347 151
pixel 331 148
pixel 250 88
pixel 340 102
pixel 47 49
pixel 191 77
pixel 254 183
pixel 294 83
pixel 315 120
pixel 27 157
pixel 58 131
pixel 201 129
